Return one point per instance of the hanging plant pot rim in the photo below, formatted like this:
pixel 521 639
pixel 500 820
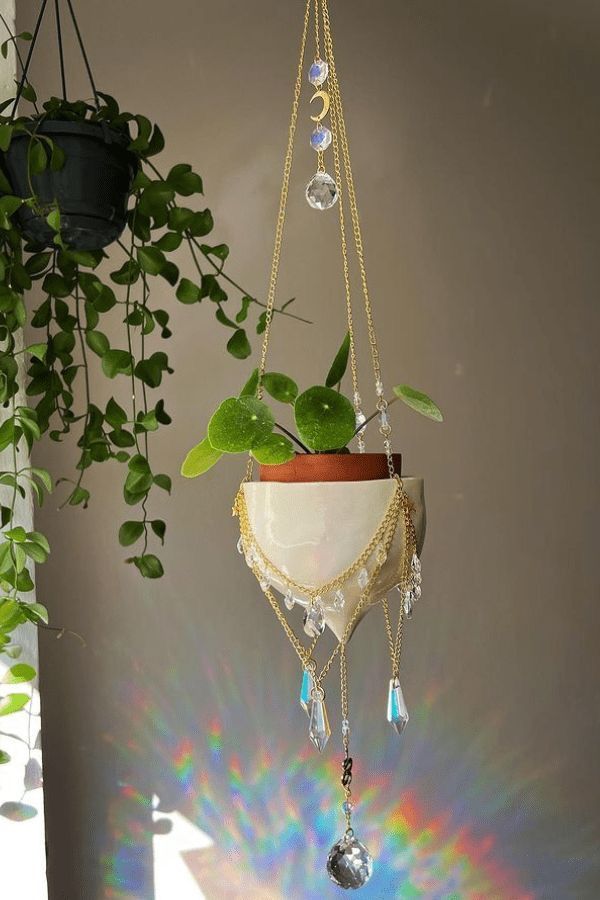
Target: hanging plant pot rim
pixel 307 467
pixel 98 130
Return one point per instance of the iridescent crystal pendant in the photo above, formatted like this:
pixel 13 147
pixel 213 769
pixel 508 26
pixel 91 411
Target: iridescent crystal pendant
pixel 397 714
pixel 349 864
pixel 321 191
pixel 318 72
pixel 319 730
pixel 306 690
pixel 320 139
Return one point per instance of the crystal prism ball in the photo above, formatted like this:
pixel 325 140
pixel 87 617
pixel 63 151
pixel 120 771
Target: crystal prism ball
pixel 349 864
pixel 321 191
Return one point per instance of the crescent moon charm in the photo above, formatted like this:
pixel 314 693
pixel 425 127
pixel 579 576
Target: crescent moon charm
pixel 324 96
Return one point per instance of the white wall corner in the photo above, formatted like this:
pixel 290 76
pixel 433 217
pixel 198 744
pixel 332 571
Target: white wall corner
pixel 22 838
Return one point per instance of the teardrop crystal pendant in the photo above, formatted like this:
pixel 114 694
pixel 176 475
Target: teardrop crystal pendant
pixel 306 689
pixel 320 139
pixel 349 864
pixel 321 191
pixel 397 714
pixel 314 621
pixel 363 579
pixel 318 72
pixel 289 600
pixel 319 730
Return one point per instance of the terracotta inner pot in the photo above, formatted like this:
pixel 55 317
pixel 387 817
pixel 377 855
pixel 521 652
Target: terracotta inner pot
pixel 332 467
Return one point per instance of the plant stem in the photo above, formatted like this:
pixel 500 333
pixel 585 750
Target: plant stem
pixel 219 269
pixel 293 438
pixel 88 397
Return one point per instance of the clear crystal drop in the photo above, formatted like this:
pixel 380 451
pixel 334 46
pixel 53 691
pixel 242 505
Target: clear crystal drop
pixel 306 689
pixel 360 421
pixel 338 600
pixel 345 727
pixel 314 622
pixel 265 583
pixel 288 599
pixel 383 418
pixel 318 72
pixel 397 714
pixel 349 864
pixel 379 388
pixel 321 191
pixel 319 730
pixel 240 545
pixel 363 578
pixel 415 564
pixel 320 139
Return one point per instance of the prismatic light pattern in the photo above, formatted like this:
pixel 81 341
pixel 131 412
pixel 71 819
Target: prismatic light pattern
pixel 444 818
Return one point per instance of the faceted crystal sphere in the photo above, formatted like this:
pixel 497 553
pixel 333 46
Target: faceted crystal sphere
pixel 349 864
pixel 320 139
pixel 318 72
pixel 321 191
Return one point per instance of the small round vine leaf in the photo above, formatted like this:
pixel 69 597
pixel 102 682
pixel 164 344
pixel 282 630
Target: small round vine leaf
pixel 280 387
pixel 324 419
pixel 418 401
pixel 240 424
pixel 200 459
pixel 274 450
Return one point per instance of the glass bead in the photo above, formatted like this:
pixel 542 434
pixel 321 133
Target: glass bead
pixel 363 578
pixel 321 191
pixel 415 563
pixel 379 390
pixel 289 600
pixel 417 591
pixel 240 545
pixel 320 139
pixel 360 421
pixel 318 72
pixel 345 727
pixel 347 807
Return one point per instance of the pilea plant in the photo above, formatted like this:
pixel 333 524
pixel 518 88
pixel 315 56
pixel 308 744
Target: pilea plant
pixel 70 261
pixel 324 418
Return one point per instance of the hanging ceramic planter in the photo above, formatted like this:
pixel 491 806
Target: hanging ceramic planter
pixel 310 532
pixel 89 171
pixel 327 533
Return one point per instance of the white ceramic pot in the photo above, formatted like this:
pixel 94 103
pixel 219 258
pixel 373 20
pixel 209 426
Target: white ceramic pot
pixel 314 531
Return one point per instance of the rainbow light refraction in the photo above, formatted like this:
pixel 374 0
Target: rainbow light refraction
pixel 444 818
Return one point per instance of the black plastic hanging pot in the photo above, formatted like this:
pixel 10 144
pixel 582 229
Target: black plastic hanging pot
pixel 91 190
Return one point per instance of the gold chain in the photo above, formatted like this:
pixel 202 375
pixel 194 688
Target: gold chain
pixel 287 168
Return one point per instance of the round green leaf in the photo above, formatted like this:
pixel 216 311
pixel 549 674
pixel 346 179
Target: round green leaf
pixel 239 345
pixel 324 419
pixel 421 403
pixel 240 424
pixel 200 459
pixel 274 450
pixel 19 673
pixel 280 387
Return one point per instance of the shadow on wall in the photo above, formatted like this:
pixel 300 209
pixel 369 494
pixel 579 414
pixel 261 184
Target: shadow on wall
pixel 240 805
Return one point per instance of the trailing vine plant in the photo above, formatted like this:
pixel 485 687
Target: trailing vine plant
pixel 54 303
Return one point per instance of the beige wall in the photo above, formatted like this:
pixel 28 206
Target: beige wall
pixel 476 137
